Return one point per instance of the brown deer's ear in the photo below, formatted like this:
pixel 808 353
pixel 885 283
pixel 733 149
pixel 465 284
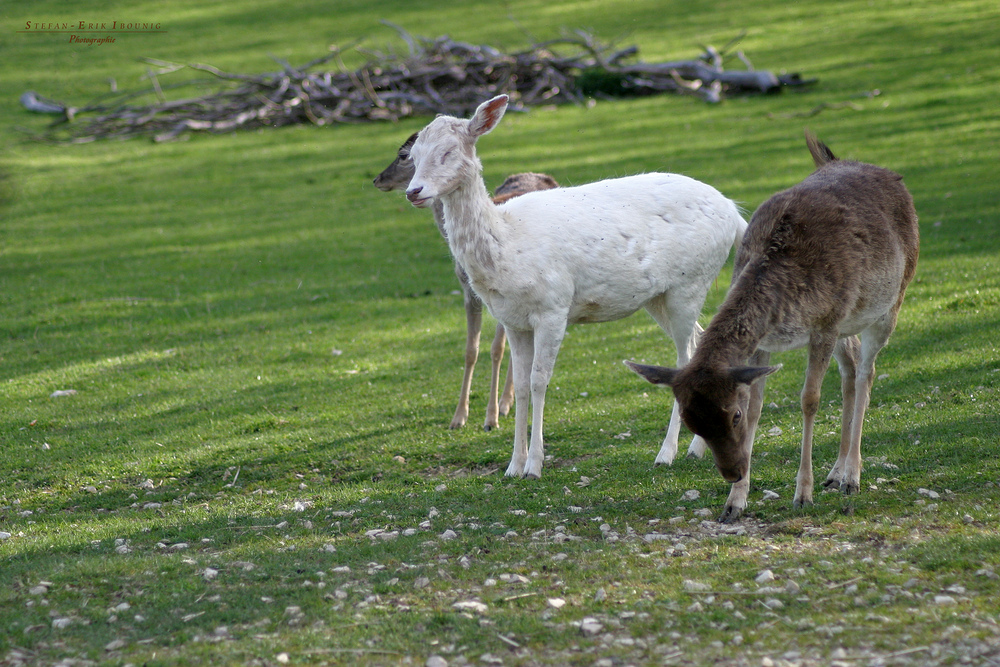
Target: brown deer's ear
pixel 487 116
pixel 660 375
pixel 749 374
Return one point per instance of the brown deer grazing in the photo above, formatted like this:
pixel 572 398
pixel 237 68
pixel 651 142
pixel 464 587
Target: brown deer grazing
pixel 823 264
pixel 397 176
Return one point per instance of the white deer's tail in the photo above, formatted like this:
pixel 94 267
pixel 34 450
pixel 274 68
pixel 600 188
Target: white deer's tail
pixel 741 225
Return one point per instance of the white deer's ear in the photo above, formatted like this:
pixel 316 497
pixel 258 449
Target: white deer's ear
pixel 487 116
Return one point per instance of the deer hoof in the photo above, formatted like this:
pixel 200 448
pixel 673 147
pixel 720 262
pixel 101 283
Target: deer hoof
pixel 730 514
pixel 850 489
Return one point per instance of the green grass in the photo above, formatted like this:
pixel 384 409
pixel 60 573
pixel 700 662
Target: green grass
pixel 266 353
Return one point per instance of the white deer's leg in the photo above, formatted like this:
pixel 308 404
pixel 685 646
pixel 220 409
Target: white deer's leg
pixel 698 444
pixel 521 356
pixel 548 338
pixel 496 357
pixel 846 353
pixel 668 450
pixel 820 352
pixel 679 321
pixel 474 325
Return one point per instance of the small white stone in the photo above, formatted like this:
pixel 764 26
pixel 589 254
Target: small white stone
pixel 436 661
pixel 557 603
pixel 770 495
pixel 448 534
pixel 590 626
pixel 693 494
pixel 764 577
pixel 944 600
pixel 933 495
pixel 209 573
pixel 471 605
pixel 59 623
pixel 695 586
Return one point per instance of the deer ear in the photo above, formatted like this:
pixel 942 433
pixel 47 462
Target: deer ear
pixel 656 374
pixel 487 116
pixel 749 374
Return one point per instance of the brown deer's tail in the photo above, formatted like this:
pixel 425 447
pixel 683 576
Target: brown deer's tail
pixel 821 153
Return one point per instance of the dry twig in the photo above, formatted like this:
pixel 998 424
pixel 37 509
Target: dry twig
pixel 436 76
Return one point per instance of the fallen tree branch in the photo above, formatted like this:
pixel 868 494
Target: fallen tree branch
pixel 436 76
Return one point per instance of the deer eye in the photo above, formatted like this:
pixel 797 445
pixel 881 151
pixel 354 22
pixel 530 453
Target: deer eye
pixel 737 417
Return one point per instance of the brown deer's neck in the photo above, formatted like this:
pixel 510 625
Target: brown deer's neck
pixel 743 320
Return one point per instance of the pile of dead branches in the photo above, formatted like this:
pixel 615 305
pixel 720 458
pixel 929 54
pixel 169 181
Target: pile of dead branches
pixel 434 76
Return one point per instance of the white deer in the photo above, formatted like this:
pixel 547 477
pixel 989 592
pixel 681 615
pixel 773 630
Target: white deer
pixel 592 253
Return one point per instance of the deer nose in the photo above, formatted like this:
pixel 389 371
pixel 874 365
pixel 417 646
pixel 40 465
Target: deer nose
pixel 413 194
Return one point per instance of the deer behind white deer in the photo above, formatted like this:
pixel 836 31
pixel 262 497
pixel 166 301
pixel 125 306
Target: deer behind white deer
pixel 592 253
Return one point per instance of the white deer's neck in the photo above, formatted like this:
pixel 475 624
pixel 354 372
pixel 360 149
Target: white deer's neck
pixel 438 209
pixel 470 225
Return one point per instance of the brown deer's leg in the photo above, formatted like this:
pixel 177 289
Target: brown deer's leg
pixel 820 352
pixel 847 353
pixel 493 407
pixel 474 325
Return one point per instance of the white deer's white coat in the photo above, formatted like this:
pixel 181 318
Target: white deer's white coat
pixel 592 253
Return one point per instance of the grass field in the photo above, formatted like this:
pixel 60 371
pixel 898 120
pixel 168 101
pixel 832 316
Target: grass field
pixel 255 466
